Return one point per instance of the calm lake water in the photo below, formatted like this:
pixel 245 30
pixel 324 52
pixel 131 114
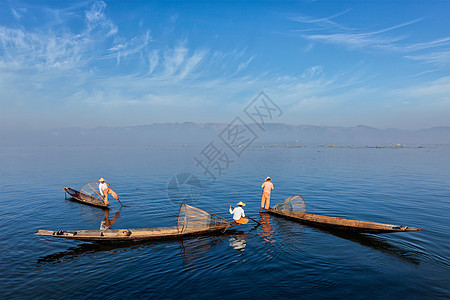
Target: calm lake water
pixel 281 258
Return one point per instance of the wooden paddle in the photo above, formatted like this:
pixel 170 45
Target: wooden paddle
pixel 253 220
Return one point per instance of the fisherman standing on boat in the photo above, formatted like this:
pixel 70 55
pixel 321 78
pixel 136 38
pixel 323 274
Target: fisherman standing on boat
pixel 238 213
pixel 267 188
pixel 105 189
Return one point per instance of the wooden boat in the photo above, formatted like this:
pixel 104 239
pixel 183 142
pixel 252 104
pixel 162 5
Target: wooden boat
pixel 294 208
pixel 89 194
pixel 191 221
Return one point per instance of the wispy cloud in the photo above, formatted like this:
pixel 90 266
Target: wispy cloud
pixel 95 17
pixel 312 72
pixel 438 57
pixel 143 69
pixel 152 75
pixel 124 48
pixel 18 13
pixel 367 40
pixel 430 44
pixel 321 22
pixel 356 40
pixel 243 65
pixel 434 91
pixel 21 48
pixel 381 39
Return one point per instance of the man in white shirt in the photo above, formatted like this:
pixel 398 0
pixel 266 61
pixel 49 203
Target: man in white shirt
pixel 105 189
pixel 238 213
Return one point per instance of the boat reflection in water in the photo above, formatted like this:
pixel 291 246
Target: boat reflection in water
pixel 194 250
pixel 377 243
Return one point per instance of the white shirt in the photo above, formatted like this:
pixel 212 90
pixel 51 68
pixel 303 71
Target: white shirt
pixel 237 213
pixel 102 187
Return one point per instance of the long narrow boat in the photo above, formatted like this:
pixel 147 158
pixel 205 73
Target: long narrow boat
pixel 191 221
pixel 89 194
pixel 294 208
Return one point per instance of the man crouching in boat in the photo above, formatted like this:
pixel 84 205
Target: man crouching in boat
pixel 105 189
pixel 238 213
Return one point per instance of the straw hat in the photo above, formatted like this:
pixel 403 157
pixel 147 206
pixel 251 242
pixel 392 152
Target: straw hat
pixel 101 179
pixel 268 178
pixel 241 203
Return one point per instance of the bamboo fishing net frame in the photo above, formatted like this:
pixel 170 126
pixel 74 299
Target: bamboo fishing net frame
pixel 294 203
pixel 91 189
pixel 190 217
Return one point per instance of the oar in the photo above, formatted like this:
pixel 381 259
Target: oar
pixel 253 220
pixel 120 203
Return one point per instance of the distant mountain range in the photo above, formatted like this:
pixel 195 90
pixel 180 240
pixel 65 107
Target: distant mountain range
pixel 274 134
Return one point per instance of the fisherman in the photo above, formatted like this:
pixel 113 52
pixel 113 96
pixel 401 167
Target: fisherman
pixel 238 213
pixel 105 189
pixel 267 188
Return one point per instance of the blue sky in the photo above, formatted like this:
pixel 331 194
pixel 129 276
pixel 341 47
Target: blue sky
pixel 115 63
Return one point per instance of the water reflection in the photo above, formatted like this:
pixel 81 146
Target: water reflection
pixel 89 214
pixel 267 234
pixel 267 228
pixel 377 243
pixel 367 240
pixel 107 221
pixel 81 250
pixel 238 241
pixel 194 250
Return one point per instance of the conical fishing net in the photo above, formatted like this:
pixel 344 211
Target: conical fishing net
pixel 91 189
pixel 192 218
pixel 294 203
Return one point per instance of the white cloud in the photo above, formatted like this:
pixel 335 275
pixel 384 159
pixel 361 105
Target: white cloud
pixel 312 72
pixel 69 70
pixel 244 65
pixel 192 62
pixel 438 57
pixel 321 22
pixel 126 48
pixel 25 50
pixel 356 40
pixel 432 91
pixel 173 59
pixel 153 59
pixel 18 13
pixel 97 20
pixel 379 39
